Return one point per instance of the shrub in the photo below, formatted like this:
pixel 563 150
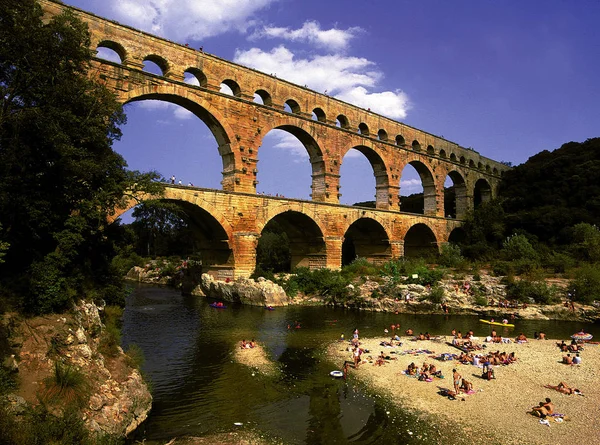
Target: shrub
pixel 110 339
pixel 360 267
pixel 518 247
pixel 425 276
pixel 557 262
pixel 503 268
pixel 586 284
pixel 480 300
pixel 67 384
pixel 527 291
pixel 135 356
pixel 450 255
pixel 436 295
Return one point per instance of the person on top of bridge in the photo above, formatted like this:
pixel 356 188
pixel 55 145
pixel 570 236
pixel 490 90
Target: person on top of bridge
pixel 172 179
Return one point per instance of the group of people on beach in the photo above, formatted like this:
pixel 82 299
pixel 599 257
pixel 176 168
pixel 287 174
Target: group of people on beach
pixel 247 344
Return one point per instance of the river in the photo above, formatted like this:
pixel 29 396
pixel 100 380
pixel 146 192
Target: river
pixel 199 390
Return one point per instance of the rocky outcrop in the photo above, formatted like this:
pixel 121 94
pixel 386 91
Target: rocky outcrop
pixel 380 296
pixel 119 399
pixel 150 275
pixel 261 292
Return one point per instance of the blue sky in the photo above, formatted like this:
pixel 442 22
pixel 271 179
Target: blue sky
pixel 508 78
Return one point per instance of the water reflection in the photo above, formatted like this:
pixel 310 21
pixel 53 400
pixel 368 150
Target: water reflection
pixel 198 389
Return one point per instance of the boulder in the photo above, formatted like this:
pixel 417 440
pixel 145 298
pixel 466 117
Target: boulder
pixel 244 290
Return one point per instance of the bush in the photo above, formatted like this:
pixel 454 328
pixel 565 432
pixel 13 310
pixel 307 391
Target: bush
pixel 67 384
pixel 557 262
pixel 503 268
pixel 527 291
pixel 135 356
pixel 450 256
pixel 111 336
pixel 326 283
pixel 360 267
pixel 518 247
pixel 436 295
pixel 123 262
pixel 586 284
pixel 480 300
pixel 425 276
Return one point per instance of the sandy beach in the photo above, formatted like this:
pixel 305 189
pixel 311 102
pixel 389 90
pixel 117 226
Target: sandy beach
pixel 497 409
pixel 255 358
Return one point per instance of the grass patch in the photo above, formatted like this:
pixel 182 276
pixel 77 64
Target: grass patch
pixel 66 385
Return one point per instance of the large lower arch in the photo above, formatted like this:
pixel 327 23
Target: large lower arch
pixel 306 244
pixel 429 206
pixel 420 241
pixel 212 232
pixel 366 238
pixel 206 112
pixel 380 172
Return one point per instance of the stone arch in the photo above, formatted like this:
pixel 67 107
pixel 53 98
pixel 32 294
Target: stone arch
pixel 463 160
pixel 482 192
pixel 420 241
pixel 480 165
pixel 343 121
pixel 294 106
pixel 234 86
pixel 416 146
pixel 315 154
pixel 442 154
pixel 495 171
pixel 204 110
pixel 488 168
pixel 428 183
pixel 264 96
pixel 455 199
pixel 471 163
pixel 363 129
pixel 366 238
pixel 430 150
pixel 215 232
pixel 161 62
pixel 320 114
pixel 380 171
pixel 382 135
pixel 453 157
pixel 116 47
pixel 457 236
pixel 306 236
pixel 199 75
pixel 400 141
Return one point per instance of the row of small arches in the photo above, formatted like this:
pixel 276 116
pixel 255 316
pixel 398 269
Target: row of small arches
pixel 194 76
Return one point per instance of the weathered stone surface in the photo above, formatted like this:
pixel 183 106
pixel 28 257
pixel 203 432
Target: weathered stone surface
pixel 245 290
pixel 119 400
pixel 236 216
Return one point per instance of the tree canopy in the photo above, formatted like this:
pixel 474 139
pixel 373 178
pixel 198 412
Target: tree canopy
pixel 59 177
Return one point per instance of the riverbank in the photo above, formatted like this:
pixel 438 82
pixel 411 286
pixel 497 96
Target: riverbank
pixel 498 408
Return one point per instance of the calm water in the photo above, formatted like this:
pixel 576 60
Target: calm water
pixel 198 389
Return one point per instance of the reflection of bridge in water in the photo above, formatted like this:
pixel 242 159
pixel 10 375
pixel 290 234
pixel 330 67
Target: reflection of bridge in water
pixel 322 232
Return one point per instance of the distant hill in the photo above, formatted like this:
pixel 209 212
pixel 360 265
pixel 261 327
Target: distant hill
pixel 554 190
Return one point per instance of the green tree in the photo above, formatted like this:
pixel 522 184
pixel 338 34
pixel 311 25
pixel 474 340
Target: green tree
pixel 485 231
pixel 59 177
pixel 586 242
pixel 518 247
pixel 158 225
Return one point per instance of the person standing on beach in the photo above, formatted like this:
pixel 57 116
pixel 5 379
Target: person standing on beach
pixel 456 378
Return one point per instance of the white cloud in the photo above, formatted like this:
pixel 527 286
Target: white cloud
pixel 188 19
pixel 179 113
pixel 108 54
pixel 346 78
pixel 311 32
pixel 410 186
pixel 389 103
pixel 282 140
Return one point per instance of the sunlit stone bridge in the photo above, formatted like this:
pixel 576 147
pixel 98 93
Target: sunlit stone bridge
pixel 322 232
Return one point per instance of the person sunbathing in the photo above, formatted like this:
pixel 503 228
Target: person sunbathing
pixel 466 386
pixel 543 409
pixel 380 360
pixel 567 360
pixel 564 388
pixel 521 338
